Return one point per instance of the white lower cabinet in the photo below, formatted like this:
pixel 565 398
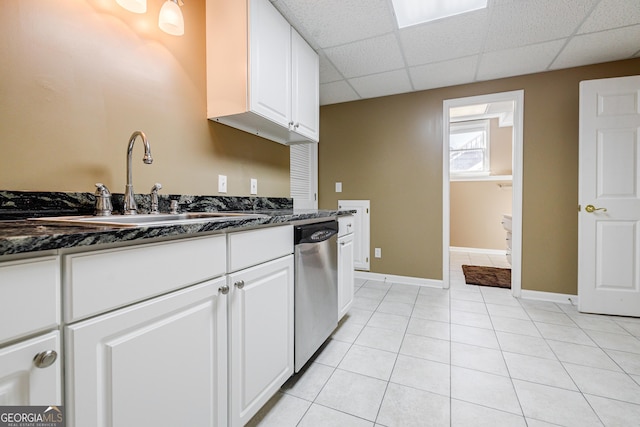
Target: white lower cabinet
pixel 261 335
pixel 30 372
pixel 345 274
pixel 161 362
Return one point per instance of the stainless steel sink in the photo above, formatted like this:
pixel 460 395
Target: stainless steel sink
pixel 147 220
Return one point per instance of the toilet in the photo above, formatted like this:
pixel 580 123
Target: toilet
pixel 506 224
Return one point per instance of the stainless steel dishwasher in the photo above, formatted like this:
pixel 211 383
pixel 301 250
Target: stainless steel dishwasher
pixel 316 287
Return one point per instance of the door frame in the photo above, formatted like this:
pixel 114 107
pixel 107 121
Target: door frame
pixel 516 202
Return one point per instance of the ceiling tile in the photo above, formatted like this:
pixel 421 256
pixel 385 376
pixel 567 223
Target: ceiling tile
pixel 443 74
pixel 382 84
pixel 449 38
pixel 365 57
pixel 333 93
pixel 335 22
pixel 611 14
pixel 328 72
pixel 517 61
pixel 534 21
pixel 599 47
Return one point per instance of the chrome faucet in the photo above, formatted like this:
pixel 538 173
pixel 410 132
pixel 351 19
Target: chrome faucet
pixel 154 198
pixel 130 207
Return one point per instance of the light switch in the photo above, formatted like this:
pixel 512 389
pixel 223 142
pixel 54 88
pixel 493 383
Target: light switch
pixel 338 187
pixel 254 186
pixel 377 252
pixel 222 183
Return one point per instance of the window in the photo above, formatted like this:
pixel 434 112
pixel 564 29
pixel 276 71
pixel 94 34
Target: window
pixel 469 148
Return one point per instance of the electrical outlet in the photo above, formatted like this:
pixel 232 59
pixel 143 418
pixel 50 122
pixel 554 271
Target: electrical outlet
pixel 254 186
pixel 222 183
pixel 338 187
pixel 377 252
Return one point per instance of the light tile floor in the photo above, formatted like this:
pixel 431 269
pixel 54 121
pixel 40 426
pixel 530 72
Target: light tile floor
pixel 468 356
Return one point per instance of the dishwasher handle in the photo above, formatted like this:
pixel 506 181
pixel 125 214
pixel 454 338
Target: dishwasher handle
pixel 316 233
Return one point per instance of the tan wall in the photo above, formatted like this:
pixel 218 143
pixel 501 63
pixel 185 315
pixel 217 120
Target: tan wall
pixel 389 150
pixel 476 211
pixel 476 207
pixel 78 77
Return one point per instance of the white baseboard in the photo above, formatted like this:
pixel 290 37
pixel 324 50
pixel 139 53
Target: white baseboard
pixel 401 280
pixel 479 250
pixel 549 296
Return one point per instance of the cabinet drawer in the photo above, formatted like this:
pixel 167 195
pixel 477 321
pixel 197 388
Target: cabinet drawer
pixel 29 296
pixel 99 281
pixel 21 383
pixel 254 247
pixel 345 225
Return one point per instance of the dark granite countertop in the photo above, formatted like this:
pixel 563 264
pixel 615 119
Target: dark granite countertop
pixel 20 235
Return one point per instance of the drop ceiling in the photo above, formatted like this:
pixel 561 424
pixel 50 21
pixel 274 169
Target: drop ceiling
pixel 363 54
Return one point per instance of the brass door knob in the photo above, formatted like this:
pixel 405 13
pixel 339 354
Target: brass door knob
pixel 591 209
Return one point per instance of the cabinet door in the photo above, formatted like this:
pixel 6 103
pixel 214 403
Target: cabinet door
pixel 345 274
pixel 270 63
pixel 157 363
pixel 22 382
pixel 305 104
pixel 261 354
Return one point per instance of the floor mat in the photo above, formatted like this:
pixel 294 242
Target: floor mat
pixel 487 276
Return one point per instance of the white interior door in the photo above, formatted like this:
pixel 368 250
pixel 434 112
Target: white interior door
pixel 361 232
pixel 609 217
pixel 304 175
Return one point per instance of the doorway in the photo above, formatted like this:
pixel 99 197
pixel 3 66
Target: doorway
pixel 452 111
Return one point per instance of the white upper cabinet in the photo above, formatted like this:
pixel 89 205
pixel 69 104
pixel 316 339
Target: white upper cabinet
pixel 305 115
pixel 262 77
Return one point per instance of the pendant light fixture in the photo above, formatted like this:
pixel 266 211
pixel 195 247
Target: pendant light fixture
pixel 135 6
pixel 171 20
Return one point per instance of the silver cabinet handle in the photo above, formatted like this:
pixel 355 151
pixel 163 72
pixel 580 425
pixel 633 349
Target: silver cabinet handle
pixel 239 284
pixel 45 359
pixel 223 289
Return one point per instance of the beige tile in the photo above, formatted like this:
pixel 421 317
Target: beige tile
pixel 332 352
pixel 523 344
pixel 392 322
pixel 308 382
pixel 409 407
pixel 478 358
pixel 394 307
pixel 359 316
pixel 428 328
pixel 471 319
pixel 493 391
pixel 465 414
pixel 604 383
pixel 347 332
pixel 613 412
pixel 282 410
pixel 468 306
pixel 538 370
pixel 570 334
pixel 320 416
pixel 555 405
pixel 514 312
pixel 515 326
pixel 426 348
pixel 583 355
pixel 422 374
pixel 620 342
pixel 382 339
pixel 474 336
pixel 353 394
pixel 629 362
pixel 429 312
pixel 369 361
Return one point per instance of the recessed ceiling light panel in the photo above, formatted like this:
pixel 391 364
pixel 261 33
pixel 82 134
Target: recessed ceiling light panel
pixel 413 12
